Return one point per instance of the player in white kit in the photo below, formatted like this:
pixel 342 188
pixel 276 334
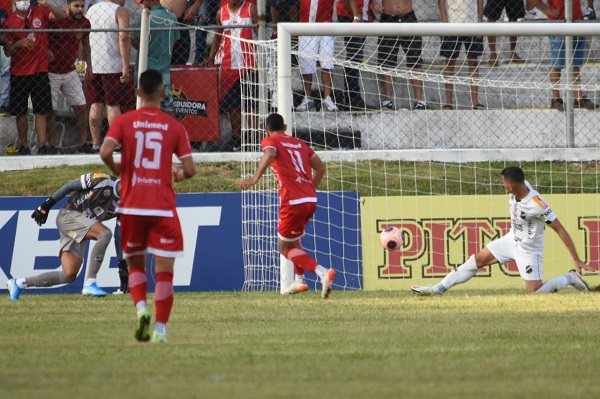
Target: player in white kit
pixel 524 243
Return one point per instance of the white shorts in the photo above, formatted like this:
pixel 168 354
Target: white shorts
pixel 530 265
pixel 70 86
pixel 323 46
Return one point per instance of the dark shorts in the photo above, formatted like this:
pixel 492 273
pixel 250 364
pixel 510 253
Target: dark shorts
pixel 451 46
pixel 107 88
pixel 515 9
pixel 239 92
pixel 38 87
pixel 388 47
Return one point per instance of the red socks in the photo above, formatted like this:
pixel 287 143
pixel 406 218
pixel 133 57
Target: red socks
pixel 163 296
pixel 138 284
pixel 301 259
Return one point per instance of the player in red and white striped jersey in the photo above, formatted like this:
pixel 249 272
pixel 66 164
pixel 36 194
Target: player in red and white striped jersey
pixel 149 223
pixel 293 163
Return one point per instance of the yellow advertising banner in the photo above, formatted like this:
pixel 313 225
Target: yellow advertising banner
pixel 441 232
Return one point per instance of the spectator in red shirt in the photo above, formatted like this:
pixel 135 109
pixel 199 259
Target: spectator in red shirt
pixel 65 48
pixel 29 69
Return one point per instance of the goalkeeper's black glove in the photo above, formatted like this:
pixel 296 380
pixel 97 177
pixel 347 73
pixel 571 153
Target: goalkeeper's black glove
pixel 40 215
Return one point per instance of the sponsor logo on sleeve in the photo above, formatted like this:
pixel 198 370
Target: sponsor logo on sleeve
pixel 538 200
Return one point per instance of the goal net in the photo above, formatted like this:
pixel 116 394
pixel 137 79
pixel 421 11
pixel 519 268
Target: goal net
pixel 430 163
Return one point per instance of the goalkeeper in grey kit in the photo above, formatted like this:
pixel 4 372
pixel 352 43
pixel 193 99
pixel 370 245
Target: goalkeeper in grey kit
pixel 94 199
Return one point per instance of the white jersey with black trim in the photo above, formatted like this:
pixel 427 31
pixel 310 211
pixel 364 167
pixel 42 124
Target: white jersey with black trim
pixel 528 219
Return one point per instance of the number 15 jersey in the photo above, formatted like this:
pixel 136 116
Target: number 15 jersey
pixel 292 169
pixel 148 138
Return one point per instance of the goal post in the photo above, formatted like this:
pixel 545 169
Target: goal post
pixel 432 173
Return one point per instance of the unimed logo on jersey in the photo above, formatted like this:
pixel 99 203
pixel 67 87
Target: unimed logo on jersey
pixel 184 107
pixel 435 247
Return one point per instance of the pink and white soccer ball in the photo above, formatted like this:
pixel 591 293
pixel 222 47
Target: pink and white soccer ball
pixel 391 239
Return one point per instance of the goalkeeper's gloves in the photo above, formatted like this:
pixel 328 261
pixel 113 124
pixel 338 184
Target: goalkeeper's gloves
pixel 40 215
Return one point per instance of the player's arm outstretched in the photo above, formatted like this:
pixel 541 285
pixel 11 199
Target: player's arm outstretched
pixel 265 162
pixel 565 237
pixel 40 215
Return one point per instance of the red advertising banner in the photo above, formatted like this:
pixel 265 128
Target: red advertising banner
pixel 196 101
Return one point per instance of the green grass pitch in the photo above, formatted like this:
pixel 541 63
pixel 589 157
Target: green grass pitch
pixel 466 344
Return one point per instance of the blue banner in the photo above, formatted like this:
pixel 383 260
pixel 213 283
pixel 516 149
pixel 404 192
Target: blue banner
pixel 212 230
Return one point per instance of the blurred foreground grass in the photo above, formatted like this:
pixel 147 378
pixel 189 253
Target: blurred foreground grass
pixel 466 344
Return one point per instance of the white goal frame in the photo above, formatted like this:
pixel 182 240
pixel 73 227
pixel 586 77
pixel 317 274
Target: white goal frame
pixel 285 31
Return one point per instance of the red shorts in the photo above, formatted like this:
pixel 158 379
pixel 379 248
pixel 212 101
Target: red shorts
pixel 293 219
pixel 107 88
pixel 157 235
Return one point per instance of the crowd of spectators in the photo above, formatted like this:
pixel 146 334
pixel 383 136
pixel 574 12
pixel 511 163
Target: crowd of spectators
pixel 35 67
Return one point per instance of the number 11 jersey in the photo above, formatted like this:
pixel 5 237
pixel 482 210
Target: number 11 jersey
pixel 292 169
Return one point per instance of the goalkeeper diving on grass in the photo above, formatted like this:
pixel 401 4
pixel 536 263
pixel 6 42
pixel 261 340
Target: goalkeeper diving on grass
pixel 524 243
pixel 293 163
pixel 94 199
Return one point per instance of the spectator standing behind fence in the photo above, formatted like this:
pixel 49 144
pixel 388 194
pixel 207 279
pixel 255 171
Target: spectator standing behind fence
pixel 315 11
pixel 29 69
pixel 555 10
pixel 456 11
pixel 400 11
pixel 351 12
pixel 515 10
pixel 233 50
pixel 160 46
pixel 5 11
pixel 206 14
pixel 181 50
pixel 108 84
pixel 65 48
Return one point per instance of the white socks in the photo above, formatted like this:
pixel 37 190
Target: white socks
pixel 320 271
pixel 556 284
pixel 462 274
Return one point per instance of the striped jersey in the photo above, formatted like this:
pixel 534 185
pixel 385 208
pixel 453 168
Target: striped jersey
pixel 316 10
pixel 234 53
